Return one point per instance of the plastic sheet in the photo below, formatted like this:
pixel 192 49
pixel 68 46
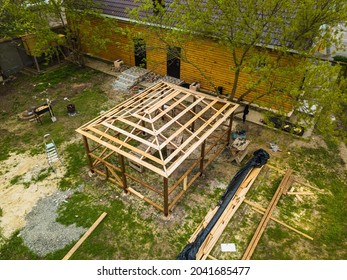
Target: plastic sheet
pixel 260 157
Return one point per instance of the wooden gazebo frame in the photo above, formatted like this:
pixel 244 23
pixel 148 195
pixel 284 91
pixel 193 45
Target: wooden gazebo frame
pixel 159 129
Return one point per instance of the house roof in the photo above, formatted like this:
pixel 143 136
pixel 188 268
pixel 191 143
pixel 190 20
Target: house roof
pixel 153 128
pixel 120 9
pixel 117 8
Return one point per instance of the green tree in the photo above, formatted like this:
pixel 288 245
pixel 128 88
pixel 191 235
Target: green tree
pixel 259 36
pixel 39 17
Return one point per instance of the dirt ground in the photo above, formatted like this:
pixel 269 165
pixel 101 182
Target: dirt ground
pixel 18 199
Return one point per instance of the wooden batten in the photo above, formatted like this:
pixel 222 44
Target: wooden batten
pixel 134 130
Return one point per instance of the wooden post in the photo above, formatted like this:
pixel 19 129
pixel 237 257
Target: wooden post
pixel 106 171
pixel 143 123
pixel 185 182
pixel 166 196
pixel 86 147
pixel 202 157
pixel 194 110
pixel 122 167
pixel 230 127
pixel 37 65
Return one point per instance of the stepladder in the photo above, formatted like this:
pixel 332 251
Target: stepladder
pixel 51 151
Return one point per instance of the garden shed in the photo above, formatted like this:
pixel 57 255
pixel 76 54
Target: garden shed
pixel 158 142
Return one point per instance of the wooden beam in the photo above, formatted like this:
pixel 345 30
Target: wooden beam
pixel 156 102
pixel 191 111
pixel 289 181
pixel 168 97
pixel 103 161
pixel 113 180
pixel 262 210
pixel 212 258
pixel 295 179
pixel 131 190
pixel 262 225
pixel 132 136
pixel 116 177
pixel 300 193
pixel 118 141
pixel 194 111
pixel 122 167
pixel 137 126
pixel 202 157
pixel 166 196
pixel 230 127
pixel 85 236
pixel 86 147
pixel 184 126
pixel 144 184
pixel 126 154
pixel 178 116
pixel 189 170
pixel 196 144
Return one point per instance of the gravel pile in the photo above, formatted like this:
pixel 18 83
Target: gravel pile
pixel 42 234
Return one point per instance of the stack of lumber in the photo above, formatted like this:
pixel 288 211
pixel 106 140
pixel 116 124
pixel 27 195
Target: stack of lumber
pixel 208 233
pixel 224 219
pixel 283 187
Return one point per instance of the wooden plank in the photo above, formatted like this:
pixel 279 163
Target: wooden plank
pixel 132 136
pixel 193 112
pixel 261 227
pixel 261 210
pixel 167 97
pixel 300 193
pixel 289 181
pixel 116 140
pixel 184 127
pixel 160 96
pixel 129 156
pixel 169 123
pixel 212 258
pixel 283 224
pixel 228 213
pixel 295 179
pixel 124 178
pixel 218 229
pixel 197 143
pixel 109 178
pixel 116 177
pixel 203 223
pixel 276 169
pixel 166 196
pixel 131 190
pixel 144 184
pixel 189 170
pixel 85 236
pixel 185 183
pixel 137 126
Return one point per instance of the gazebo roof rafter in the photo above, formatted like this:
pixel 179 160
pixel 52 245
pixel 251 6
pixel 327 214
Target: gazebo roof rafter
pixel 160 127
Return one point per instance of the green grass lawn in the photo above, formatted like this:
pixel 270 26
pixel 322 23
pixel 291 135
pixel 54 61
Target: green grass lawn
pixel 132 229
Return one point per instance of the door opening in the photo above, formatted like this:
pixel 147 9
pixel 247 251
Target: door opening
pixel 173 63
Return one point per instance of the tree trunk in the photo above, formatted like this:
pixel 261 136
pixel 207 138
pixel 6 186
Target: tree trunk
pixel 236 80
